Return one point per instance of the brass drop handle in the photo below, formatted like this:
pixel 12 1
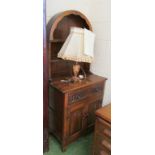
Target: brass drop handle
pixel 85 114
pixel 76 97
pixel 97 89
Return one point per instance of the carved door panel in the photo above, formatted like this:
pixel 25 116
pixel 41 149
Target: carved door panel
pixel 91 111
pixel 75 122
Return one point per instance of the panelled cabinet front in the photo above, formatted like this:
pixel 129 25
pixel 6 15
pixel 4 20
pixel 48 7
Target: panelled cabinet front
pixel 81 116
pixel 76 121
pixel 72 114
pixel 91 111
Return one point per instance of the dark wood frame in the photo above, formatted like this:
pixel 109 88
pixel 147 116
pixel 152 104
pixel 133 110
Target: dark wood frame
pixel 45 83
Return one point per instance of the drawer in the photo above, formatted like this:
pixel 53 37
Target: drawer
pixel 101 152
pixel 103 141
pixel 103 127
pixel 85 92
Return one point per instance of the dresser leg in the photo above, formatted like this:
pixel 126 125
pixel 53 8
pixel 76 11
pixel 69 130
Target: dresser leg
pixel 63 148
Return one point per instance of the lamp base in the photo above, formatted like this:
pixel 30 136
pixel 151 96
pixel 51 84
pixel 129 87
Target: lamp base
pixel 76 69
pixel 75 79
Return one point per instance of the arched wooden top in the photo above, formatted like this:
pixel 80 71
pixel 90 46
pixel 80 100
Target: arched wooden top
pixel 53 23
pixel 58 29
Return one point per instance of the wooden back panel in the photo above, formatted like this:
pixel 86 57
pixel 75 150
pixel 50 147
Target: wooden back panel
pixel 58 29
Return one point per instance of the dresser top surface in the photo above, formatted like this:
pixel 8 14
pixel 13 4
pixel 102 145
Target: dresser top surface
pixel 105 113
pixel 67 87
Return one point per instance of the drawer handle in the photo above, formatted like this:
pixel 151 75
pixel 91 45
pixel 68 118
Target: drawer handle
pixel 85 115
pixel 97 89
pixel 76 98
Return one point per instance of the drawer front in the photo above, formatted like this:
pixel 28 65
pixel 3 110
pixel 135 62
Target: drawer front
pixel 103 141
pixel 103 152
pixel 103 128
pixel 100 151
pixel 85 92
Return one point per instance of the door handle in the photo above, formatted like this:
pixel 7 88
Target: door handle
pixel 85 114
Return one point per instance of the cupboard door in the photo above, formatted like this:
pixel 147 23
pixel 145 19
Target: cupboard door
pixel 76 121
pixel 92 107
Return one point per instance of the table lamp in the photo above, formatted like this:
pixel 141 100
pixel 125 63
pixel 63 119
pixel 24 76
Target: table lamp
pixel 78 47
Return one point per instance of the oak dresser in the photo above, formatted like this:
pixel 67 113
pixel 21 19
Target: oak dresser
pixel 72 106
pixel 102 136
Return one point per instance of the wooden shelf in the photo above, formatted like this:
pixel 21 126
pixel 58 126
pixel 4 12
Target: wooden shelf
pixel 56 59
pixel 57 41
pixel 59 59
pixel 58 29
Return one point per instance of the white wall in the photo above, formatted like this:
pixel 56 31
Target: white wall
pixel 98 12
pixel 100 20
pixel 55 6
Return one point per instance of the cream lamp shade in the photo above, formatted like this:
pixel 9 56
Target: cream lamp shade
pixel 79 46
